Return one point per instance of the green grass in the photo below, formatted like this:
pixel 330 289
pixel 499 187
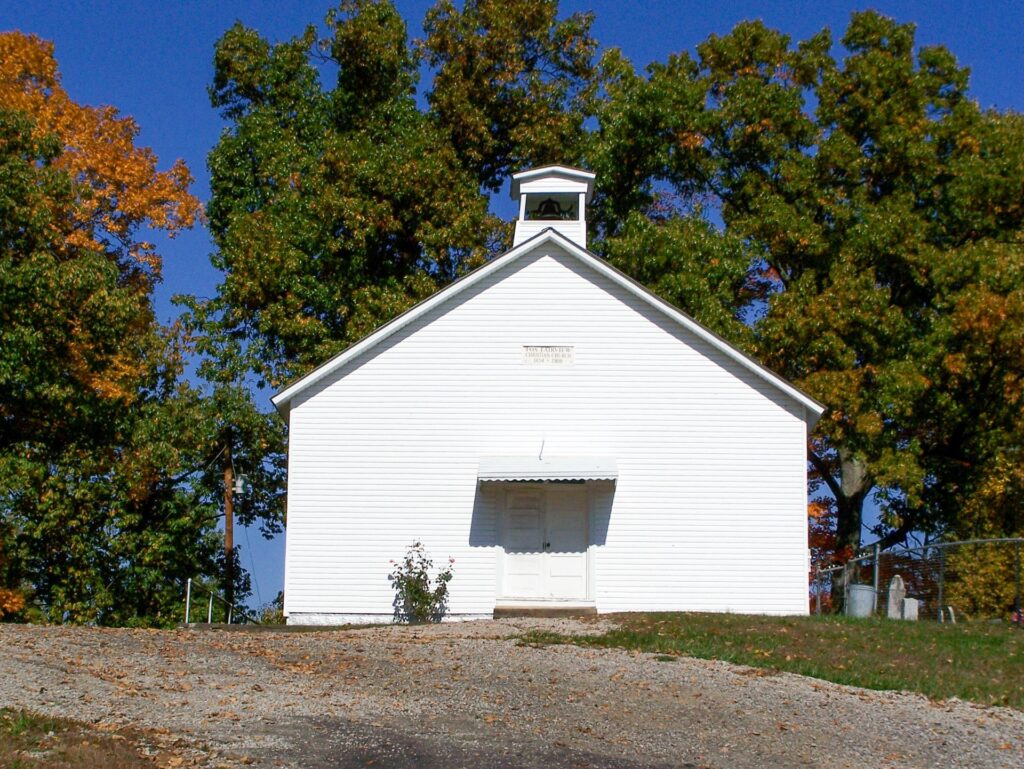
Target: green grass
pixel 980 662
pixel 17 723
pixel 32 741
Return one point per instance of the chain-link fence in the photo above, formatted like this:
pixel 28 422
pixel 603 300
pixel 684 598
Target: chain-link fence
pixel 945 581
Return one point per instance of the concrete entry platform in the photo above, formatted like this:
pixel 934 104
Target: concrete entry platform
pixel 554 612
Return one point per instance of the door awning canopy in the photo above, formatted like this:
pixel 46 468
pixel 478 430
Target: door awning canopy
pixel 547 469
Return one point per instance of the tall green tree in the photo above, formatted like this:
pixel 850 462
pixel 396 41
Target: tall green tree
pixel 81 490
pixel 513 84
pixel 332 208
pixel 876 212
pixel 109 489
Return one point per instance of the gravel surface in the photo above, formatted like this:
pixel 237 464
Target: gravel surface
pixel 469 695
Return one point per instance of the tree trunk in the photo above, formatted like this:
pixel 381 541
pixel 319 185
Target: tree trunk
pixel 853 488
pixel 229 531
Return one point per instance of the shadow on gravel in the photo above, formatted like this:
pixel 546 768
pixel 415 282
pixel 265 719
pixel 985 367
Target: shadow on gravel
pixel 337 744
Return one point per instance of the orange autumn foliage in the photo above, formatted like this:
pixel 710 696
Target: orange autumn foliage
pixel 121 188
pixel 821 534
pixel 11 602
pixel 821 524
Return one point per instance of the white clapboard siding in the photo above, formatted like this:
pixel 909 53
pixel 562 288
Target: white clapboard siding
pixel 709 509
pixel 574 230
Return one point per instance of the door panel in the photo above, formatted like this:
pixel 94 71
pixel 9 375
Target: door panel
pixel 567 538
pixel 524 544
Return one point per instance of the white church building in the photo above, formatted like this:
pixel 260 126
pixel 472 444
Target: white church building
pixel 574 442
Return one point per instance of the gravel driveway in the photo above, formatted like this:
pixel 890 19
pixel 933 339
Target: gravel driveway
pixel 468 695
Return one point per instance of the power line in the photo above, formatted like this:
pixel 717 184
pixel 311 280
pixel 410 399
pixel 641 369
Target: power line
pixel 252 566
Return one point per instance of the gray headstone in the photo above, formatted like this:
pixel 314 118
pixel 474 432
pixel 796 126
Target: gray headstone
pixel 910 606
pixel 897 592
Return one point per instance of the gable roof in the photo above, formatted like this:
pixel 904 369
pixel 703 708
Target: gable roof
pixel 592 260
pixel 576 177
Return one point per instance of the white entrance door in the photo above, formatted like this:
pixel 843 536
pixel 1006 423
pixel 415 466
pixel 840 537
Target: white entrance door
pixel 546 542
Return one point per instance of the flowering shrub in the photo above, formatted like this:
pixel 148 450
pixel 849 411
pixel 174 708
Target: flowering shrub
pixel 417 598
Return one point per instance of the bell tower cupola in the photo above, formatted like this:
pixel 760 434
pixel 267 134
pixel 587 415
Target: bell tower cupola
pixel 555 197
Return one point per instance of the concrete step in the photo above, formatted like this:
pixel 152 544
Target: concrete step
pixel 544 611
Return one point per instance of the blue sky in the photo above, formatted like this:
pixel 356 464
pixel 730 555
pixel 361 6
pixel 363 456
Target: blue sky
pixel 153 61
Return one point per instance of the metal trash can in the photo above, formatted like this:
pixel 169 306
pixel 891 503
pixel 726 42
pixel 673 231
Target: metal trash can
pixel 860 601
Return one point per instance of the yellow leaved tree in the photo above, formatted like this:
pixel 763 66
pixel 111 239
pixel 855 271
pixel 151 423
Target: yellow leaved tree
pixel 121 188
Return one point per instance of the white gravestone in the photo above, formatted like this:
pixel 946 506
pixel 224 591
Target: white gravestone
pixel 910 606
pixel 897 592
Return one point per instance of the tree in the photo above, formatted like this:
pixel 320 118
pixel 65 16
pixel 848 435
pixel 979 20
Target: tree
pixel 119 187
pixel 513 84
pixel 879 210
pixel 332 209
pixel 108 499
pixel 97 189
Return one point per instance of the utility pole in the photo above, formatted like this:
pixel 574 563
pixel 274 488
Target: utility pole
pixel 229 528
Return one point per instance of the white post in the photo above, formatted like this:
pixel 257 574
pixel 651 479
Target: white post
pixel 209 610
pixel 188 598
pixel 583 219
pixel 874 579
